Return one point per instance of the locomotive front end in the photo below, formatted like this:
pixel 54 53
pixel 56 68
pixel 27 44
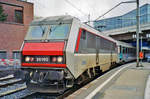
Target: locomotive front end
pixel 43 56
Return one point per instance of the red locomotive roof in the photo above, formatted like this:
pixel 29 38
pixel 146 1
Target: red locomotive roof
pixel 50 48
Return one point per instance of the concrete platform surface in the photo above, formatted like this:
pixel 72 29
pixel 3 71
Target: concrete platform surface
pixel 124 82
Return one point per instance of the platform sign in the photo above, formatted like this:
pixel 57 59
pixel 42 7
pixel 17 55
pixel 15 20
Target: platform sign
pixel 141 55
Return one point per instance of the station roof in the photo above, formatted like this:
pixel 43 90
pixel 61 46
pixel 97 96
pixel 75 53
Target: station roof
pixel 129 29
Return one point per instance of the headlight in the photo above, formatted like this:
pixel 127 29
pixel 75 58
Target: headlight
pixel 27 59
pixel 59 59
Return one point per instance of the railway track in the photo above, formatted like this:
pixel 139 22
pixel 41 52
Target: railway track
pixel 60 96
pixel 7 77
pixel 57 96
pixel 10 88
pixel 46 96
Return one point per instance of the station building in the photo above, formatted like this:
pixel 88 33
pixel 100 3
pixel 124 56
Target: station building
pixel 123 27
pixel 13 29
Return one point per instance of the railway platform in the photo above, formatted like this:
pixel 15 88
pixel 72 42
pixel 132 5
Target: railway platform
pixel 124 82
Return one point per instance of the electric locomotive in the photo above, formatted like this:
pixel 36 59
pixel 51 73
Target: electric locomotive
pixel 60 51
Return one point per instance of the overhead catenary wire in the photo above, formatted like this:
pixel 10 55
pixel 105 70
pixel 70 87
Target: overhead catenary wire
pixel 112 9
pixel 67 1
pixel 76 7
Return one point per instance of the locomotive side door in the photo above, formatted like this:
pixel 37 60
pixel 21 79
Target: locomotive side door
pixel 111 53
pixel 97 49
pixel 97 56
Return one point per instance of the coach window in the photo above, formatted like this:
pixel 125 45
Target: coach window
pixel 123 50
pixel 120 49
pixel 16 54
pixel 3 54
pixel 130 51
pixel 127 50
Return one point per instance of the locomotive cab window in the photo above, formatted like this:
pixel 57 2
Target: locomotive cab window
pixel 59 31
pixel 36 32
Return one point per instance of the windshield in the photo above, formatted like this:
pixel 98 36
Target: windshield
pixel 58 32
pixel 37 31
pixel 49 31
